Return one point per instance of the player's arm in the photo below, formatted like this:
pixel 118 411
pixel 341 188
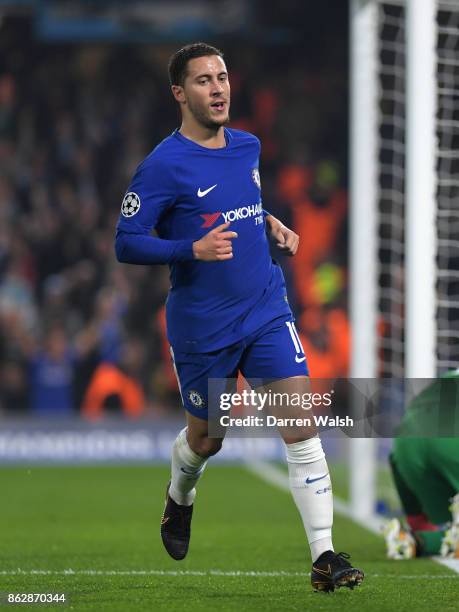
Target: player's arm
pixel 287 240
pixel 216 245
pixel 141 249
pixel 150 194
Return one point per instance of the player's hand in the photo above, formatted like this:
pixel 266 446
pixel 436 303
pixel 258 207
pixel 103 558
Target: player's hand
pixel 287 240
pixel 216 245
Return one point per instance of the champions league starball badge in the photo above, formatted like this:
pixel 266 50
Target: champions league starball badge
pixel 130 205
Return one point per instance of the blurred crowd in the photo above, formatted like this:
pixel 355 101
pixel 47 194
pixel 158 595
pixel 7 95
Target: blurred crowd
pixel 80 332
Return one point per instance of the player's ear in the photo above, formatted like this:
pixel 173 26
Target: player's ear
pixel 178 92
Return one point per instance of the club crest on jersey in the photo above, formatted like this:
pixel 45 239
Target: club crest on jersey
pixel 196 399
pixel 256 177
pixel 130 205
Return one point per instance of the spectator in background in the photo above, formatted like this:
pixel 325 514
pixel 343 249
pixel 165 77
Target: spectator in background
pixel 51 377
pixel 110 307
pixel 73 126
pixel 14 397
pixel 325 336
pixel 52 372
pixel 318 207
pixel 114 389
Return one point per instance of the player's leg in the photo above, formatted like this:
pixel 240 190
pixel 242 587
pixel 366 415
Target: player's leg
pixel 424 463
pixel 427 466
pixel 445 457
pixel 429 469
pixel 275 354
pixel 192 447
pixel 444 453
pixel 311 488
pixel 404 543
pixel 413 509
pixel 310 484
pixel 309 476
pixel 190 452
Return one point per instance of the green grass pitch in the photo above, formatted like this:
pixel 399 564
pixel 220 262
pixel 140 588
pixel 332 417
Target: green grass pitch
pixel 75 525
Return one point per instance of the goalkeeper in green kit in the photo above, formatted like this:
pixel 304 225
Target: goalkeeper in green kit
pixel 425 469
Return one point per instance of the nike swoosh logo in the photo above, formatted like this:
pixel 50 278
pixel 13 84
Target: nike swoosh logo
pixel 186 471
pixel 323 572
pixel 201 194
pixel 311 480
pixel 299 359
pixel 164 520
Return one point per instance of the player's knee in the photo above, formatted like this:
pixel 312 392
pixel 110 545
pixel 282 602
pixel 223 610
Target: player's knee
pixel 206 447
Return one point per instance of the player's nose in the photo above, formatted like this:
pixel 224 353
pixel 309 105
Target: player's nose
pixel 217 89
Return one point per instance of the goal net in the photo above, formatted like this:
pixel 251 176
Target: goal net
pixel 384 307
pixel 448 186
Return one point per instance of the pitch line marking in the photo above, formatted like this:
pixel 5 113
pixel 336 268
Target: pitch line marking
pixel 211 572
pixel 277 477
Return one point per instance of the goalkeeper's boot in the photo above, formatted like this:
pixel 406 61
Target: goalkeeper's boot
pixel 450 543
pixel 333 570
pixel 400 544
pixel 175 527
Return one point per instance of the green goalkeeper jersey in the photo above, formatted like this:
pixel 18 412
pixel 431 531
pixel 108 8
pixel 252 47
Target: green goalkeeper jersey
pixel 435 411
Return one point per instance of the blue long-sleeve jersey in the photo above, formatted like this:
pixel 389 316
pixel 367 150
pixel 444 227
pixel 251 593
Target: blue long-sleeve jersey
pixel 183 190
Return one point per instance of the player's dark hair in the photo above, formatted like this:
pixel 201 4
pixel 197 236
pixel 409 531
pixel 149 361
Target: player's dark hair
pixel 178 62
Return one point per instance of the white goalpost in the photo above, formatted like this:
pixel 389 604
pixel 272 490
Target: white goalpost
pixel 363 219
pixel 420 246
pixel 404 194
